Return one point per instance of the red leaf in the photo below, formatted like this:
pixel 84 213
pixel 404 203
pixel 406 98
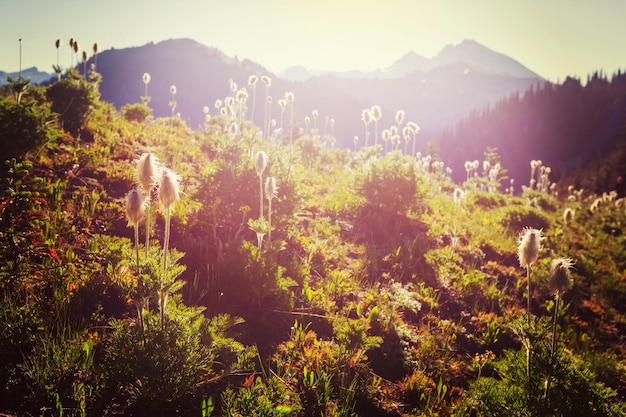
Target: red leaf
pixel 54 254
pixel 249 380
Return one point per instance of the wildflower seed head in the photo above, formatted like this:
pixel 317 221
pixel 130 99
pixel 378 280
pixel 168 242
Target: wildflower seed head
pixel 172 89
pixel 399 116
pixel 529 246
pixel 252 80
pixel 57 43
pixel 376 113
pixel 242 95
pixel 270 188
pixel 146 78
pixel 568 215
pixel 560 275
pixel 458 195
pixel 169 188
pixel 366 116
pixel 147 171
pixel 135 207
pixel 260 163
pixel 266 80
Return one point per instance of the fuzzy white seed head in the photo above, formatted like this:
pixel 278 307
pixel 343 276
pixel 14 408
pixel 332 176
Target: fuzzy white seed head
pixel 242 95
pixel 252 80
pixel 146 78
pixel 266 80
pixel 146 168
pixel 399 116
pixel 270 188
pixel 458 195
pixel 376 113
pixel 169 188
pixel 260 163
pixel 529 246
pixel 135 207
pixel 568 215
pixel 366 116
pixel 560 275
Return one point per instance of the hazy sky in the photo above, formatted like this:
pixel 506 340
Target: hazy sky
pixel 554 38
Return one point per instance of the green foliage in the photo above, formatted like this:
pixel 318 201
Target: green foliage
pixel 61 372
pixel 136 112
pixel 389 184
pixel 574 389
pixel 407 292
pixel 154 369
pixel 74 101
pixel 271 398
pixel 516 218
pixel 18 87
pixel 25 128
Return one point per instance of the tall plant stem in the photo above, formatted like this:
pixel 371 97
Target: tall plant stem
pixel 166 241
pixel 269 219
pixel 148 227
pixel 530 347
pixel 139 306
pixel 261 197
pixel 556 315
pixel 528 300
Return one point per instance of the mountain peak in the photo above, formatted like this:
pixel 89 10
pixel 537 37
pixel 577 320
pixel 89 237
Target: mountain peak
pixel 409 63
pixel 475 54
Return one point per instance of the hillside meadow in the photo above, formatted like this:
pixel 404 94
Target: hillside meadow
pixel 241 270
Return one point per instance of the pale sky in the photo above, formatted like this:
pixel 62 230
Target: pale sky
pixel 554 38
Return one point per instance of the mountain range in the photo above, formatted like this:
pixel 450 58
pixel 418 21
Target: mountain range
pixel 33 74
pixel 434 93
pixel 468 51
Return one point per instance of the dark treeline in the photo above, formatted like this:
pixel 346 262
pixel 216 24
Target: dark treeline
pixel 573 128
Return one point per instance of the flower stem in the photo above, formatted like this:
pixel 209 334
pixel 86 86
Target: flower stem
pixel 556 315
pixel 166 242
pixel 148 226
pixel 139 306
pixel 530 341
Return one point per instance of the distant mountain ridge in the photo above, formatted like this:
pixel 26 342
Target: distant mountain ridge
pixel 469 52
pixel 434 93
pixel 32 73
pixel 434 98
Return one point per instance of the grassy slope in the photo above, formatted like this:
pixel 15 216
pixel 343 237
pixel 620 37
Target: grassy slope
pixel 377 293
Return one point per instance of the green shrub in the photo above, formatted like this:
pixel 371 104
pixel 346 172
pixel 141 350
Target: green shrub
pixel 73 100
pixel 24 127
pixel 136 112
pixel 389 184
pixel 516 218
